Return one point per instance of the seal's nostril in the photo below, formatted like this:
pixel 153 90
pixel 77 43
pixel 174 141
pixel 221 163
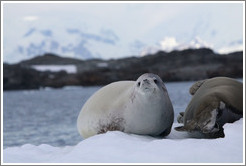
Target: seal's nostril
pixel 146 81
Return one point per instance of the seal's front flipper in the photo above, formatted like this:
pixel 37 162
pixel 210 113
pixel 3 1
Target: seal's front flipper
pixel 180 128
pixel 196 86
pixel 180 117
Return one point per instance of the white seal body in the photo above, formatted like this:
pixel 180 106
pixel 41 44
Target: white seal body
pixel 138 107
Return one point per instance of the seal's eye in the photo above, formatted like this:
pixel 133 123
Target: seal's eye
pixel 155 80
pixel 138 83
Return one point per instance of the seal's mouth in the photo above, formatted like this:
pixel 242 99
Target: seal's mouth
pixel 147 87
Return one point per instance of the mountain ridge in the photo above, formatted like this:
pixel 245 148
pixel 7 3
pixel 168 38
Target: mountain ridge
pixel 185 65
pixel 50 58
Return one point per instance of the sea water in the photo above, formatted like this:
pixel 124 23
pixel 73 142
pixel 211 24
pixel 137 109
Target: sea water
pixel 49 116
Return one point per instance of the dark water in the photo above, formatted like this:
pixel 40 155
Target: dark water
pixel 49 116
pixel 43 116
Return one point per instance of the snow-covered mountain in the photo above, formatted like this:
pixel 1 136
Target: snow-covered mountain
pixel 73 42
pixel 113 30
pixel 69 42
pixel 169 44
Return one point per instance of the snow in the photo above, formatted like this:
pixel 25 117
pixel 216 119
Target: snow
pixel 169 44
pixel 225 50
pixel 119 147
pixel 56 68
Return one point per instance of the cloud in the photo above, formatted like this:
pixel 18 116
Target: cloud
pixel 30 18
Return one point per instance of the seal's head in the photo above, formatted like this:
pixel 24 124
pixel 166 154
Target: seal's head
pixel 149 83
pixel 150 110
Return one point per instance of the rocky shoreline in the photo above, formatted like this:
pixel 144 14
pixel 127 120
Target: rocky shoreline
pixel 185 65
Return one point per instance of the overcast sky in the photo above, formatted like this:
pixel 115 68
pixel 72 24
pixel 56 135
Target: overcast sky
pixel 149 23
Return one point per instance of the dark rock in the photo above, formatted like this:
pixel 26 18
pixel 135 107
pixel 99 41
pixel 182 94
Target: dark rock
pixel 186 65
pixel 17 77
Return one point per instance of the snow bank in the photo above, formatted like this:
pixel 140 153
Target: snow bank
pixel 119 147
pixel 56 68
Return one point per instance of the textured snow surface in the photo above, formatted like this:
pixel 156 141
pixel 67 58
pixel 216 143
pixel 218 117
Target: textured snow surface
pixel 119 147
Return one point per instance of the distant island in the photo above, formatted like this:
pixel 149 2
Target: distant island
pixel 185 65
